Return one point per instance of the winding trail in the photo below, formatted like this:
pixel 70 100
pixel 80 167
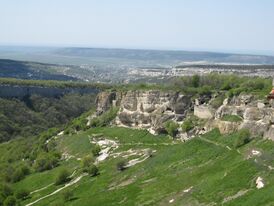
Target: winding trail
pixel 58 190
pixel 215 143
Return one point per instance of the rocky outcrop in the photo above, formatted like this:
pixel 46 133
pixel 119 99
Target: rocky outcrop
pixel 257 116
pixel 145 109
pixel 151 109
pixel 204 112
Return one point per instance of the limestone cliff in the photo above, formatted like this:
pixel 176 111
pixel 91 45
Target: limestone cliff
pixel 151 109
pixel 145 109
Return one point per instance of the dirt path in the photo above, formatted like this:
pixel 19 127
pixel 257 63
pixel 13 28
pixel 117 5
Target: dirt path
pixel 215 143
pixel 58 190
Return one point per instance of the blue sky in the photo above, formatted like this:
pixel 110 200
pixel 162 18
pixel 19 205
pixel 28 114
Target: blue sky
pixel 213 25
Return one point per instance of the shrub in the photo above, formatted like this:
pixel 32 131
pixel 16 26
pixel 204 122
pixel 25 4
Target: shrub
pixel 105 118
pixel 5 190
pixel 195 81
pixel 92 170
pixel 187 125
pixel 121 165
pixel 242 138
pixel 62 177
pixel 20 173
pixel 22 194
pixel 46 161
pixel 171 127
pixel 96 150
pixel 10 201
pixel 87 161
pixel 67 195
pixel 217 102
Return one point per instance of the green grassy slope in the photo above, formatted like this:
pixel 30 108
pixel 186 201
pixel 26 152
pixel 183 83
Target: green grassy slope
pixel 206 170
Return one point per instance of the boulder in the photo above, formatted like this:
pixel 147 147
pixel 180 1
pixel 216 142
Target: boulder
pixel 203 112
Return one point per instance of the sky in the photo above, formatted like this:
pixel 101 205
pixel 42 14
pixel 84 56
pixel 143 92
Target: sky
pixel 243 26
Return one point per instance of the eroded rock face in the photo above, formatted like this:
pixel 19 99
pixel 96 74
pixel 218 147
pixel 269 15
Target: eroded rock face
pixel 257 116
pixel 151 109
pixel 226 127
pixel 145 109
pixel 204 112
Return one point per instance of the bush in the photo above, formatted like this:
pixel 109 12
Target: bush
pixel 62 177
pixel 92 170
pixel 67 195
pixel 87 161
pixel 242 138
pixel 46 161
pixel 22 194
pixel 187 125
pixel 96 150
pixel 171 127
pixel 5 190
pixel 105 118
pixel 121 165
pixel 20 173
pixel 10 201
pixel 217 102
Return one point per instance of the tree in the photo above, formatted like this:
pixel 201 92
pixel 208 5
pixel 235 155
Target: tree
pixel 242 138
pixel 92 170
pixel 96 150
pixel 87 161
pixel 171 127
pixel 22 194
pixel 195 81
pixel 10 201
pixel 187 125
pixel 62 177
pixel 121 165
pixel 67 195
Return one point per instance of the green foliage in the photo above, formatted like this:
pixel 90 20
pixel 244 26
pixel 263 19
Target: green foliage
pixel 62 177
pixel 22 194
pixel 92 170
pixel 87 161
pixel 67 195
pixel 46 161
pixel 231 84
pixel 35 114
pixel 121 165
pixel 96 150
pixel 217 101
pixel 88 166
pixel 232 118
pixel 19 173
pixel 242 138
pixel 195 81
pixel 171 127
pixel 187 125
pixel 105 118
pixel 5 190
pixel 52 83
pixel 10 201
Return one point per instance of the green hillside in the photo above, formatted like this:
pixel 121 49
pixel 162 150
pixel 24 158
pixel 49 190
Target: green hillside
pixel 207 170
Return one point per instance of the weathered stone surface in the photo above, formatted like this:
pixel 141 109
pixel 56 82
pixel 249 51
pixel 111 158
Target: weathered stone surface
pixel 151 109
pixel 226 127
pixel 270 133
pixel 145 109
pixel 253 113
pixel 203 112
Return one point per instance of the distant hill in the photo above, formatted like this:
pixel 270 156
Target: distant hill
pixel 103 57
pixel 31 70
pixel 163 56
